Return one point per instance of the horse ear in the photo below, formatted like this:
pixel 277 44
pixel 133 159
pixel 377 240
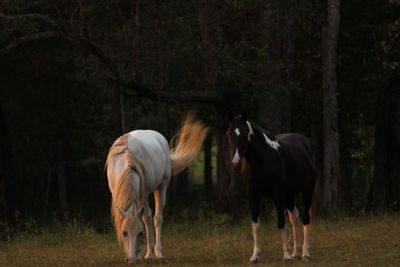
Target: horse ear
pixel 122 212
pixel 231 115
pixel 236 114
pixel 244 115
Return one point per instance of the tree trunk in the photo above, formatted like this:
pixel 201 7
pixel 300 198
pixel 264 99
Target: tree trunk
pixel 62 186
pixel 208 46
pixel 116 110
pixel 208 184
pixel 46 194
pixel 394 152
pixel 209 80
pixel 287 56
pixel 386 183
pixel 277 29
pixel 8 218
pixel 122 107
pixel 331 165
pixel 223 175
pixel 182 188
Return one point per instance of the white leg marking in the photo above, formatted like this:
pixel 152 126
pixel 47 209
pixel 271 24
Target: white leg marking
pixel 285 241
pixel 160 197
pixel 149 234
pixel 274 144
pixel 294 220
pixel 306 246
pixel 256 250
pixel 236 158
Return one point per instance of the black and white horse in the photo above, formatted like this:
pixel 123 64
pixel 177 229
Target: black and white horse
pixel 279 167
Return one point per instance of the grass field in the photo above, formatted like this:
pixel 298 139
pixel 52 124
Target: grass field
pixel 366 241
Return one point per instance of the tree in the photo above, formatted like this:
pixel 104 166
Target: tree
pixel 331 165
pixel 385 189
pixel 7 178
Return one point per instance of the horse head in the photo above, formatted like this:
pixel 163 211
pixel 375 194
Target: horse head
pixel 239 136
pixel 130 232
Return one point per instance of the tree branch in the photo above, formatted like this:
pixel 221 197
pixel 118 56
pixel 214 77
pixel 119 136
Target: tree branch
pixel 140 89
pixel 188 96
pixel 33 16
pixel 28 38
pixel 96 51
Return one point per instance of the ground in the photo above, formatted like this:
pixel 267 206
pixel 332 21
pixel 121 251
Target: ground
pixel 349 241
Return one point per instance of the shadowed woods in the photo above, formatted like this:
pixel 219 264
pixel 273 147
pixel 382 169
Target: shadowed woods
pixel 77 75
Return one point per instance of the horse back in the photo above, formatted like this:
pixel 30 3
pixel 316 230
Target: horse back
pixel 152 149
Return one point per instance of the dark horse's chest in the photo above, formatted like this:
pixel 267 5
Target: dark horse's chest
pixel 263 172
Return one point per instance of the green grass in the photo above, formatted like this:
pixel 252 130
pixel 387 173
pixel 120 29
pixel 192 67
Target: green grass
pixel 367 241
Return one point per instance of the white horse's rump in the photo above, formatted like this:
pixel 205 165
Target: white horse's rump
pixel 139 163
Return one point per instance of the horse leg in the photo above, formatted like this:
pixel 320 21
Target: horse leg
pixel 307 200
pixel 255 226
pixel 293 214
pixel 294 220
pixel 149 232
pixel 281 226
pixel 159 197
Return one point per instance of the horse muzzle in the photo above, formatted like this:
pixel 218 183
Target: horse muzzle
pixel 235 162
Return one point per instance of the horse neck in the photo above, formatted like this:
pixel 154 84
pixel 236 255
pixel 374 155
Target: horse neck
pixel 258 148
pixel 126 195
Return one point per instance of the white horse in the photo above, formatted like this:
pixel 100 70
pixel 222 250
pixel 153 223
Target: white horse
pixel 139 163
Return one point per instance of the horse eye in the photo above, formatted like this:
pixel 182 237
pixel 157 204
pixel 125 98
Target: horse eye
pixel 125 233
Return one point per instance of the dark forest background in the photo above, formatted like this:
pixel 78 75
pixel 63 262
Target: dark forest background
pixel 75 75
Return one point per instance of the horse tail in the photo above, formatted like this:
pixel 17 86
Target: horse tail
pixel 189 140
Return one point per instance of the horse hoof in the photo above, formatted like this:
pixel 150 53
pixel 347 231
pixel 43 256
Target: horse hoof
pixel 254 261
pixel 287 259
pixel 296 257
pixel 149 256
pixel 306 258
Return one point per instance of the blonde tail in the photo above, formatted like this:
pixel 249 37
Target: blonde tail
pixel 189 140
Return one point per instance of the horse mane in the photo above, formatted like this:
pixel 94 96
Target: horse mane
pixel 262 130
pixel 124 195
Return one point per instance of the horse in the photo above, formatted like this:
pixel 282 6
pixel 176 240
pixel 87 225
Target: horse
pixel 279 167
pixel 139 163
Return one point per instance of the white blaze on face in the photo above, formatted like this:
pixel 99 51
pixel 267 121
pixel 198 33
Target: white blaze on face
pixel 131 228
pixel 236 158
pixel 273 144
